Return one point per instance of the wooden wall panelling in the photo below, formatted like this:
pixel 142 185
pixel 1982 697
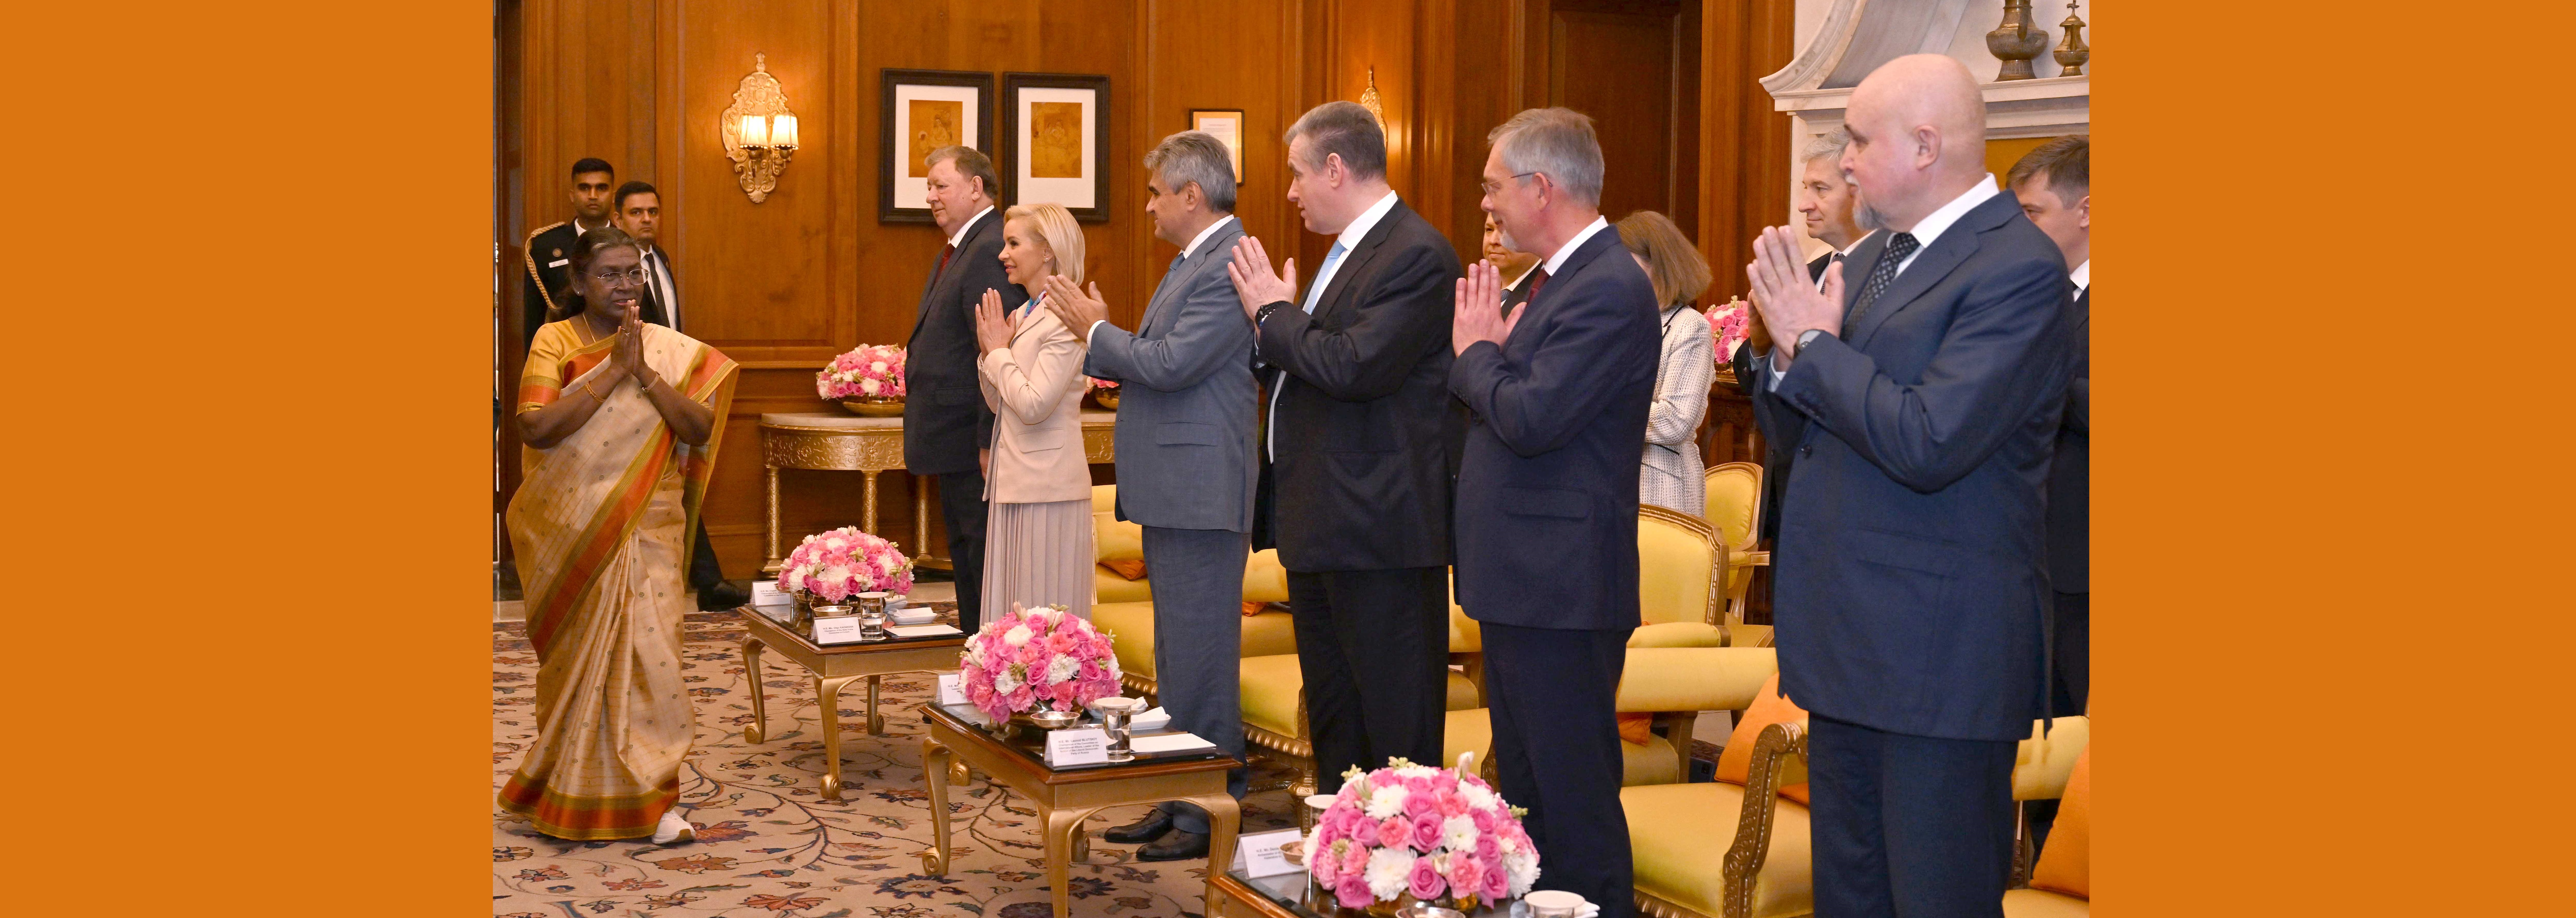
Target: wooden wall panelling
pixel 1741 139
pixel 1622 62
pixel 1255 74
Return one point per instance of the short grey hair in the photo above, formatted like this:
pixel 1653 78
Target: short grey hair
pixel 1195 157
pixel 1556 141
pixel 1342 129
pixel 1828 144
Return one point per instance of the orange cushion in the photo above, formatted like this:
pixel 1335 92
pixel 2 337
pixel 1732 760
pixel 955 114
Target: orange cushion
pixel 2065 865
pixel 1638 729
pixel 1130 568
pixel 1735 763
pixel 1251 609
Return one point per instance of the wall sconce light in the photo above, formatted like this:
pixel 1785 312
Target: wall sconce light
pixel 1369 99
pixel 759 131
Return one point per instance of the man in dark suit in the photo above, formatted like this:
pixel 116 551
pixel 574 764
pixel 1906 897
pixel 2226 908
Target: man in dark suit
pixel 947 431
pixel 1357 483
pixel 2054 183
pixel 1827 207
pixel 1911 592
pixel 1185 467
pixel 548 249
pixel 637 209
pixel 1558 391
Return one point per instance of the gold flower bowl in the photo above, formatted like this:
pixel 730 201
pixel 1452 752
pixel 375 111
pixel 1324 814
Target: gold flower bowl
pixel 874 407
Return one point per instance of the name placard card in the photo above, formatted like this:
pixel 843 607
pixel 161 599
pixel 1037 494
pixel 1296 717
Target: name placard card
pixel 838 630
pixel 1084 746
pixel 1258 854
pixel 767 593
pixel 951 691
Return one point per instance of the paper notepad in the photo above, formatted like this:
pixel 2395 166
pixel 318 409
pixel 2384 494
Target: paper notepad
pixel 1168 742
pixel 914 631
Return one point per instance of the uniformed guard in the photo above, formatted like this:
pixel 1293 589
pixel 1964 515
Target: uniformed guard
pixel 548 251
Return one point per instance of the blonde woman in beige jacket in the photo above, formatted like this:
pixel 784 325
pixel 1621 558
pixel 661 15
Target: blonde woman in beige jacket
pixel 1037 541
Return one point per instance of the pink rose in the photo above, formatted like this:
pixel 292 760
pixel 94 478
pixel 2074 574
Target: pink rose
pixel 1394 832
pixel 1498 882
pixel 1484 820
pixel 1420 803
pixel 1426 833
pixel 1353 891
pixel 1487 849
pixel 1425 883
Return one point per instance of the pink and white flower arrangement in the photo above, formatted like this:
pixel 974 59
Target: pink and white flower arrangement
pixel 1428 832
pixel 1044 657
pixel 867 371
pixel 845 562
pixel 1728 322
pixel 1098 384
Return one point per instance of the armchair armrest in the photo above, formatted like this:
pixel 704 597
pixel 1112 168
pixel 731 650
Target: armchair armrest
pixel 1780 746
pixel 2041 764
pixel 1660 679
pixel 1748 559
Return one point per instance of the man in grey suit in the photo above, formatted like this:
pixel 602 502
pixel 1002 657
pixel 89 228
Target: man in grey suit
pixel 1185 458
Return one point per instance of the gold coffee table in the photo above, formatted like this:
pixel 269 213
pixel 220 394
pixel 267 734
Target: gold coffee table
pixel 834 667
pixel 1065 797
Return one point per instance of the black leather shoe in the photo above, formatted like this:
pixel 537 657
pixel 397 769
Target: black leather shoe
pixel 1155 823
pixel 723 595
pixel 1180 846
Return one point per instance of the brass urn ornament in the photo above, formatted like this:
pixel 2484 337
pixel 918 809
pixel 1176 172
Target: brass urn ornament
pixel 2016 41
pixel 759 131
pixel 1369 99
pixel 2073 52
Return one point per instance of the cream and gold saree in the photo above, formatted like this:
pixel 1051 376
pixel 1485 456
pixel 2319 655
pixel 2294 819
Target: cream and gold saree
pixel 601 527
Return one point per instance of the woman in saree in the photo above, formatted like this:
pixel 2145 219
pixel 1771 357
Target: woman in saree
pixel 1037 530
pixel 621 421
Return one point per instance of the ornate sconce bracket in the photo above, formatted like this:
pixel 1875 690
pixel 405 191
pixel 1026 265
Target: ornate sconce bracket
pixel 759 131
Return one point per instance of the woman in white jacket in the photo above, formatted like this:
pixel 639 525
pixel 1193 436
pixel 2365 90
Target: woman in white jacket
pixel 1671 477
pixel 1037 543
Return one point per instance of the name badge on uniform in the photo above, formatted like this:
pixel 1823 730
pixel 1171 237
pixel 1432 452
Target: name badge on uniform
pixel 557 263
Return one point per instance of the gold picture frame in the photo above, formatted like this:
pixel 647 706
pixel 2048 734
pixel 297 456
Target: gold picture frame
pixel 1224 124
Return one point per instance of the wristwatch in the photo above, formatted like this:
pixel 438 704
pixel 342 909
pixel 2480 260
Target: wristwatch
pixel 1264 314
pixel 1807 336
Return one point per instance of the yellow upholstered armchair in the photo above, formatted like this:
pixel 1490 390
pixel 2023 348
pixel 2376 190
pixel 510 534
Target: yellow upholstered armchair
pixel 1125 608
pixel 1735 511
pixel 1274 709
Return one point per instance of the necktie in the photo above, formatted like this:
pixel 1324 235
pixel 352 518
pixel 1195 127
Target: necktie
pixel 944 252
pixel 1538 279
pixel 1880 275
pixel 1317 295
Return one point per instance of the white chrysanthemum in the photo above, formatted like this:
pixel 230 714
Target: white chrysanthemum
pixel 868 386
pixel 1523 867
pixel 1018 635
pixel 1384 802
pixel 1477 797
pixel 1416 771
pixel 878 366
pixel 888 564
pixel 1458 833
pixel 1389 871
pixel 1009 678
pixel 836 574
pixel 1061 668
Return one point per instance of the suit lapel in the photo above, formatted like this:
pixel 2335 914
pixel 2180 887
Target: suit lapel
pixel 939 272
pixel 1592 248
pixel 1355 263
pixel 1179 279
pixel 1945 255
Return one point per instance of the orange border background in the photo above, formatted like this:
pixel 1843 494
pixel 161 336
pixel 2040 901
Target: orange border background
pixel 255 284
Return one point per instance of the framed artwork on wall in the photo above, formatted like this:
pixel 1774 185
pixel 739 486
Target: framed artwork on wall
pixel 1225 124
pixel 920 111
pixel 1055 142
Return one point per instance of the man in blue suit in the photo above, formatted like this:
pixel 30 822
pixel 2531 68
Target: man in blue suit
pixel 1558 392
pixel 1911 589
pixel 1185 464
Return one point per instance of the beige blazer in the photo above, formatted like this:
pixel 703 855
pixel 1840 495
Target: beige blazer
pixel 1035 389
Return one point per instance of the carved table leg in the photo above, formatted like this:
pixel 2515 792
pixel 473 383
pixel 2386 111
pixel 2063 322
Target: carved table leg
pixel 774 562
pixel 751 672
pixel 934 765
pixel 1225 818
pixel 829 691
pixel 876 721
pixel 1063 836
pixel 868 516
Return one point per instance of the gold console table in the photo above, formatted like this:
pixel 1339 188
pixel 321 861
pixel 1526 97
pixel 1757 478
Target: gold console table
pixel 840 441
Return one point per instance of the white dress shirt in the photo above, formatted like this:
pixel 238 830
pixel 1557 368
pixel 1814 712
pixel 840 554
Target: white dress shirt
pixel 1566 251
pixel 2082 276
pixel 959 239
pixel 1195 242
pixel 1925 231
pixel 1348 242
pixel 1843 255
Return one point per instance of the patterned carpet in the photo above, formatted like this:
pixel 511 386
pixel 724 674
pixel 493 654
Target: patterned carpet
pixel 768 845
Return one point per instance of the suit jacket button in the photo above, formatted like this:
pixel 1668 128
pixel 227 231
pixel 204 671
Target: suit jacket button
pixel 1806 450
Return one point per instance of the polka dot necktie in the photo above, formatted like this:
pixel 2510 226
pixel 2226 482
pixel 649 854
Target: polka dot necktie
pixel 1880 276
